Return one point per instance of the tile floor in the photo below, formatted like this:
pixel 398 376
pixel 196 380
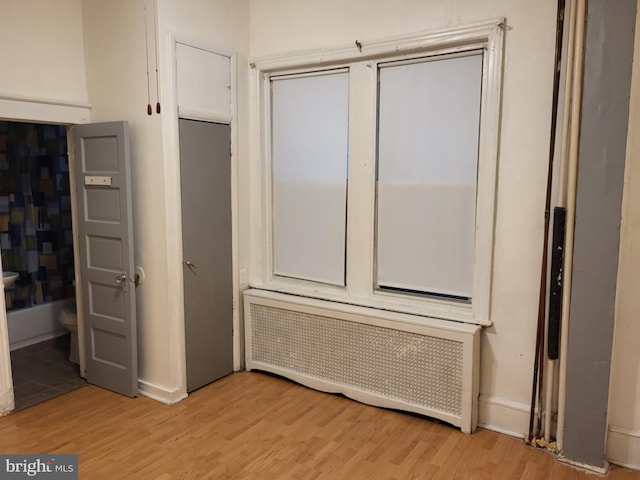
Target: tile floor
pixel 43 371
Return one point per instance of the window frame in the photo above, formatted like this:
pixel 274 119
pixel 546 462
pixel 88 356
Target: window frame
pixel 362 61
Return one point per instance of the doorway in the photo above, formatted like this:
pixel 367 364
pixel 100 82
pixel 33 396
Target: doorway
pixel 36 240
pixel 205 176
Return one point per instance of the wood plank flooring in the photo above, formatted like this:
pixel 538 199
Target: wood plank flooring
pixel 255 426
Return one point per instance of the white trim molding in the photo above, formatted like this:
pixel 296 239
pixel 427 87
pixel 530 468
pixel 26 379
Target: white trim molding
pixel 161 393
pixel 487 32
pixel 623 447
pixel 204 115
pixel 173 212
pixel 362 59
pixel 503 416
pixel 45 110
pixel 7 403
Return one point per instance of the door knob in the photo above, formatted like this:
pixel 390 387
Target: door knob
pixel 121 279
pixel 191 266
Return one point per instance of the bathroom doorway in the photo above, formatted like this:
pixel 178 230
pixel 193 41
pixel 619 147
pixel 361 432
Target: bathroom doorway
pixel 36 240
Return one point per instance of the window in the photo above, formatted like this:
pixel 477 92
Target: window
pixel 309 129
pixel 428 127
pixel 377 173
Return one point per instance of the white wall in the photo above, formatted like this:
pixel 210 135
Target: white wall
pixel 281 26
pixel 42 60
pixel 43 41
pixel 117 82
pixel 42 78
pixel 116 73
pixel 220 26
pixel 46 44
pixel 41 49
pixel 623 439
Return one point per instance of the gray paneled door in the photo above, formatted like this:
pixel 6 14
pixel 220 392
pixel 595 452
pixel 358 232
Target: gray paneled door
pixel 103 186
pixel 205 177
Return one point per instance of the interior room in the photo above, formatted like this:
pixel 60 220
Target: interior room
pixel 37 244
pixel 359 197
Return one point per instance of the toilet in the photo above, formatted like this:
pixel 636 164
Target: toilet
pixel 69 320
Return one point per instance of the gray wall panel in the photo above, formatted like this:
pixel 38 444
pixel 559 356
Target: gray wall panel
pixel 605 112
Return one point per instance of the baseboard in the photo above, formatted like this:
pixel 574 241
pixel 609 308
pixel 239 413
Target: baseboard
pixel 503 416
pixel 38 339
pixel 623 447
pixel 160 393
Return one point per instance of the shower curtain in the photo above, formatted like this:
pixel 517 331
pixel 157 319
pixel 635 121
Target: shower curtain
pixel 35 213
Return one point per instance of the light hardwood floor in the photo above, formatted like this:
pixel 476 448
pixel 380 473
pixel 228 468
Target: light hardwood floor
pixel 255 426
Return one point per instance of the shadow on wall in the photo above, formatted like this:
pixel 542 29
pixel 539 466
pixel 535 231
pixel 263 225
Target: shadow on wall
pixel 35 213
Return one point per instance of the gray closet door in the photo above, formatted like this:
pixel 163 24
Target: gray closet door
pixel 205 177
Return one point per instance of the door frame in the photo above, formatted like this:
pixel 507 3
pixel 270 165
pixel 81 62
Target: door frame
pixel 173 202
pixel 53 112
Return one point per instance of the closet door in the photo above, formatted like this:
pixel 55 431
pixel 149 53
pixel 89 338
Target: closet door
pixel 205 177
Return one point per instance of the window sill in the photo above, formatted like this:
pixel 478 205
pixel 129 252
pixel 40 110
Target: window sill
pixel 392 302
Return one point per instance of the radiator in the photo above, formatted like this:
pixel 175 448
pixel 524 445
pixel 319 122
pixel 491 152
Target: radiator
pixel 380 358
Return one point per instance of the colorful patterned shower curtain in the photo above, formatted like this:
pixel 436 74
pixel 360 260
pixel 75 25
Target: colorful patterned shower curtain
pixel 35 213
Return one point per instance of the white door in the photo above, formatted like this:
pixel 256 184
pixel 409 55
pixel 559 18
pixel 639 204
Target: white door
pixel 106 255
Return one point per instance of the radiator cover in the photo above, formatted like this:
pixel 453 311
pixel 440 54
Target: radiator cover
pixel 377 357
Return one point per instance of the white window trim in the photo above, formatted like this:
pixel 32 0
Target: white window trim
pixel 362 59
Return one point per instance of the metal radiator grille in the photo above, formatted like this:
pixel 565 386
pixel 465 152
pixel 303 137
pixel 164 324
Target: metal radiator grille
pixel 416 369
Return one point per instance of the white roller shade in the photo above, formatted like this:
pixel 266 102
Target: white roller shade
pixel 429 117
pixel 309 145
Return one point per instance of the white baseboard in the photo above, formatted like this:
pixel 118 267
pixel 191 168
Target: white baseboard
pixel 623 447
pixel 38 339
pixel 503 416
pixel 512 418
pixel 160 393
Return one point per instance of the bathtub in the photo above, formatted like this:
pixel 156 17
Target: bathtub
pixel 35 324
